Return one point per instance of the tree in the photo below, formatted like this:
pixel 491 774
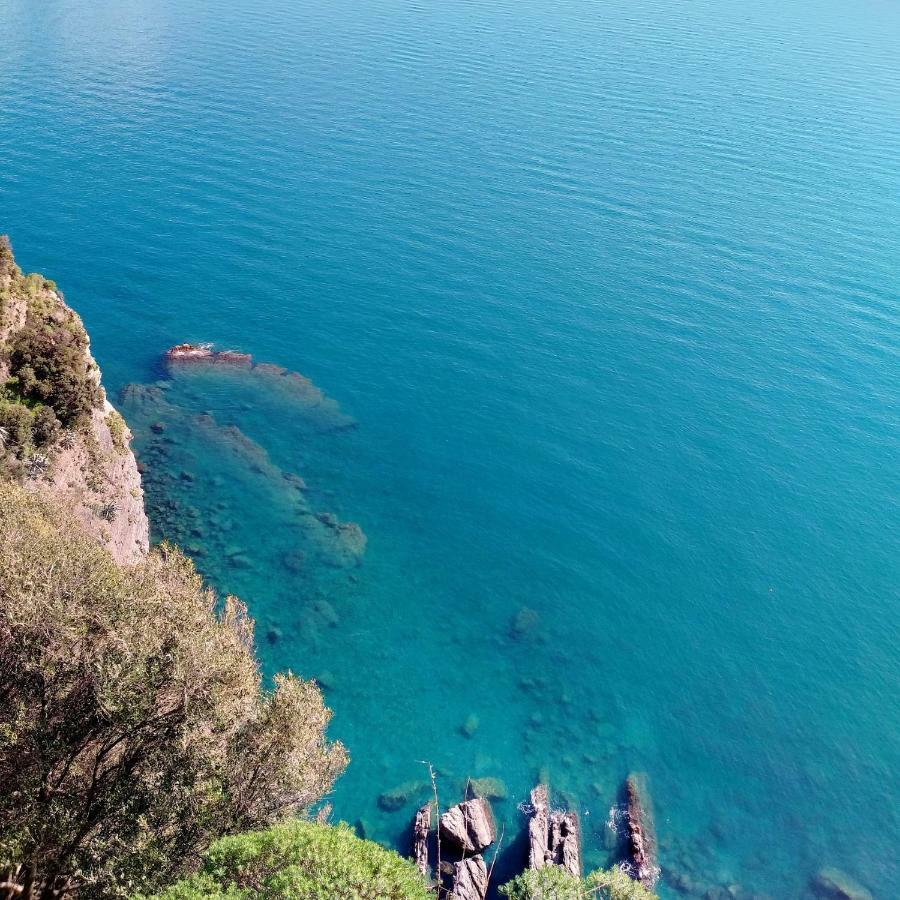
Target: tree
pixel 301 861
pixel 554 883
pixel 133 726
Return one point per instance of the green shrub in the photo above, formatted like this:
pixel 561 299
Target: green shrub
pixel 302 861
pixel 16 421
pixel 49 364
pixel 46 428
pixel 554 883
pixel 116 425
pixel 133 727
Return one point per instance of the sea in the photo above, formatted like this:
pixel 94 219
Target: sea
pixel 574 447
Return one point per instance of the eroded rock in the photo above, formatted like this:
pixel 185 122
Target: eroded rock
pixel 469 826
pixel 640 830
pixel 421 827
pixel 539 829
pixel 470 879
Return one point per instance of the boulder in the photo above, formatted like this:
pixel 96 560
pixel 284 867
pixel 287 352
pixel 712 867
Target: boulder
pixel 469 827
pixel 833 884
pixel 470 879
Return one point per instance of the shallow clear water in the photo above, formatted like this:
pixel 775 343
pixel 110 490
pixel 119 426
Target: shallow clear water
pixel 611 290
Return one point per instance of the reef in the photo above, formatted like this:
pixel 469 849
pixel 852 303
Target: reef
pixel 297 389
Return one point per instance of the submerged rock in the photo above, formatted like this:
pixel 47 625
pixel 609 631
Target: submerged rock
pixel 488 788
pixel 470 726
pixel 833 884
pixel 523 623
pixel 402 795
pixel 469 826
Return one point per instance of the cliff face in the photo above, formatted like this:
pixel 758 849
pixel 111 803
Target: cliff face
pixel 58 431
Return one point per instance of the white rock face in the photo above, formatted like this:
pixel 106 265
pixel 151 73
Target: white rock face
pixel 102 486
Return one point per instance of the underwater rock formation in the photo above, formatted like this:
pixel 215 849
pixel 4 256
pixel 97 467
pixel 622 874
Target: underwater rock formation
pixel 469 826
pixel 183 358
pixel 833 884
pixel 172 431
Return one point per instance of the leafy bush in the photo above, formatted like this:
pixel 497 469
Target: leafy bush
pixel 133 727
pixel 554 883
pixel 49 363
pixel 302 861
pixel 116 425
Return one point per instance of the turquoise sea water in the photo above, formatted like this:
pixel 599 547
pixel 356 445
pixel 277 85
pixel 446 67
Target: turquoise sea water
pixel 612 292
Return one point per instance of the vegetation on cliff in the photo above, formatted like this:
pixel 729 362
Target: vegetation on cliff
pixel 133 725
pixel 554 883
pixel 49 381
pixel 301 861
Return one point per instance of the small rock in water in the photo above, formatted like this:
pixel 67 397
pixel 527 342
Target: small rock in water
pixel 273 635
pixel 158 427
pixel 833 884
pixel 469 727
pixel 402 795
pixel 294 560
pixel 488 788
pixel 325 680
pixel 523 622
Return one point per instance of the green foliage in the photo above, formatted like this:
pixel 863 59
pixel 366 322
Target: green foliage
pixel 16 421
pixel 45 428
pixel 50 363
pixel 546 883
pixel 117 428
pixel 133 727
pixel 300 860
pixel 554 883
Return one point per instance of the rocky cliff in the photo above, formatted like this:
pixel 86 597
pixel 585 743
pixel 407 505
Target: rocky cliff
pixel 58 431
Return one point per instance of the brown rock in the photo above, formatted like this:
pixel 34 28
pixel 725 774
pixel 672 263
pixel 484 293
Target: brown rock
pixel 539 829
pixel 565 842
pixel 470 879
pixel 469 827
pixel 641 836
pixel 421 827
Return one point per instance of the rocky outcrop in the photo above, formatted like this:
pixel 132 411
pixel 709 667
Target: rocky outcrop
pixel 421 827
pixel 553 837
pixel 470 879
pixel 468 827
pixel 97 476
pixel 60 434
pixel 640 830
pixel 565 842
pixel 539 829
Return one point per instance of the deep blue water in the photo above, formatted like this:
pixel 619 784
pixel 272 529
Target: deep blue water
pixel 612 291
